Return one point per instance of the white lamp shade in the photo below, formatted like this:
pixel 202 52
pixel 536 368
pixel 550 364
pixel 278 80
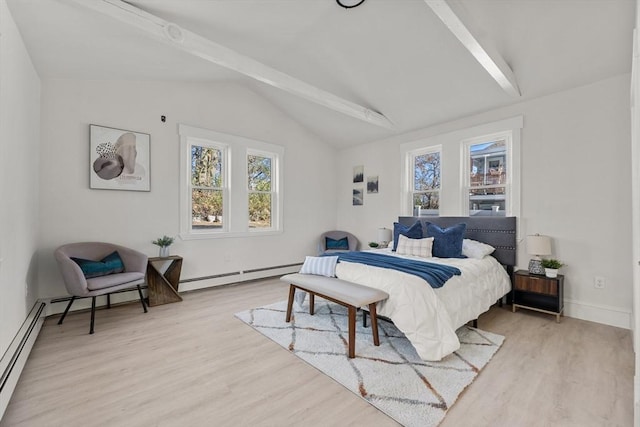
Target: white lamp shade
pixel 539 245
pixel 384 235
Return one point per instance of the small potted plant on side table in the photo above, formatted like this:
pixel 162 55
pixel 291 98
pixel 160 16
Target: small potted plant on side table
pixel 551 267
pixel 164 242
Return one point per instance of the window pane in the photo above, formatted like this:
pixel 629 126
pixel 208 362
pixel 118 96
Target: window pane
pixel 259 169
pixel 259 210
pixel 488 164
pixel 426 169
pixel 426 200
pixel 487 199
pixel 206 167
pixel 206 209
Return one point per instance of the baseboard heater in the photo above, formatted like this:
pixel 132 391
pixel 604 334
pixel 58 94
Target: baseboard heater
pixel 239 273
pixel 16 355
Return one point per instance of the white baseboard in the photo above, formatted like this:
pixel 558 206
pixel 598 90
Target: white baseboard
pixel 607 315
pixel 14 359
pixel 237 278
pixel 85 303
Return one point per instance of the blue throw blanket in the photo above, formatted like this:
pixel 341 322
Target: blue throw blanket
pixel 435 274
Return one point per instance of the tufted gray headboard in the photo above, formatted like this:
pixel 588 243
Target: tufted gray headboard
pixel 499 232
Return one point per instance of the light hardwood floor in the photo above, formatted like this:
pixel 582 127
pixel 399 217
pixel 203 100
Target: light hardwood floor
pixel 193 363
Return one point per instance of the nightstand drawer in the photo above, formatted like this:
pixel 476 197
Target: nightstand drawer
pixel 540 285
pixel 538 293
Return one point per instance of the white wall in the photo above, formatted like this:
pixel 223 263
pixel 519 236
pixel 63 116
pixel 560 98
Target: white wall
pixel 576 178
pixel 19 171
pixel 70 211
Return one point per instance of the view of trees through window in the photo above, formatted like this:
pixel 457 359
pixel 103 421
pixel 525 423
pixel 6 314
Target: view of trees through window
pixel 259 170
pixel 426 182
pixel 206 187
pixel 488 177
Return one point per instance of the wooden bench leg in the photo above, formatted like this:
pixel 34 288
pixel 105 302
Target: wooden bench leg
pixel 292 292
pixel 352 332
pixel 312 303
pixel 374 323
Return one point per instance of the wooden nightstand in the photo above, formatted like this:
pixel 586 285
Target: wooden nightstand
pixel 539 293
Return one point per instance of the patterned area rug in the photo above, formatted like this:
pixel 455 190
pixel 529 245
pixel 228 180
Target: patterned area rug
pixel 391 377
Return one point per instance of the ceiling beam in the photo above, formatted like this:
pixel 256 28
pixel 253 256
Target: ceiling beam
pixel 208 50
pixel 484 52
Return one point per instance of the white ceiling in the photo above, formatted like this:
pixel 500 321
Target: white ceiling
pixel 393 56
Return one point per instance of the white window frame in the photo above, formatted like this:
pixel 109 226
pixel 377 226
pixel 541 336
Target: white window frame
pixel 235 217
pixel 512 184
pixel 408 173
pixel 454 165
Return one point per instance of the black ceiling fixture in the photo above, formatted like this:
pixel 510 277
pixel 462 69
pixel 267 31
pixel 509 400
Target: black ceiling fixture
pixel 348 4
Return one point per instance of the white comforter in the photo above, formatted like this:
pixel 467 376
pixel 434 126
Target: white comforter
pixel 429 317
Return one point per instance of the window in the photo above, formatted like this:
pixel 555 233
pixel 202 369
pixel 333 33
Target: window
pixel 487 177
pixel 425 192
pixel 261 195
pixel 230 186
pixel 469 171
pixel 207 186
pixel 487 174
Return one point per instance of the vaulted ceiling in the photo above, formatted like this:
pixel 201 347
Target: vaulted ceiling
pixel 395 57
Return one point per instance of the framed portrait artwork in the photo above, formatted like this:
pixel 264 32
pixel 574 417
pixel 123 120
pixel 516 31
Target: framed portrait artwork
pixel 119 159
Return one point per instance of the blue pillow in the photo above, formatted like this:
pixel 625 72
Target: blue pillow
pixel 413 232
pixel 110 264
pixel 447 243
pixel 339 244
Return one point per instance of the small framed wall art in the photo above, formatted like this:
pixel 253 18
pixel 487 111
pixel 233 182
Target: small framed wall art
pixel 119 159
pixel 358 174
pixel 372 184
pixel 358 197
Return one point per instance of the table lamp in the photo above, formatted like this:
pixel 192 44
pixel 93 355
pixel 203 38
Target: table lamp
pixel 537 246
pixel 384 237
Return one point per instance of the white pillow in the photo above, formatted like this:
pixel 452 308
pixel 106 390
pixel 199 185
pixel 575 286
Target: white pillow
pixel 320 265
pixel 416 247
pixel 475 249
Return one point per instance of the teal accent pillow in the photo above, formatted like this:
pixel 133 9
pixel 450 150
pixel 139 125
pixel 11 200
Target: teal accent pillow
pixel 336 244
pixel 413 232
pixel 110 264
pixel 447 242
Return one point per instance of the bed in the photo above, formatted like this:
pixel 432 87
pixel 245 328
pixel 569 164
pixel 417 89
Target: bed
pixel 429 317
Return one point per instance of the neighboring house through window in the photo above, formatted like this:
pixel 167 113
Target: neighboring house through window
pixel 486 178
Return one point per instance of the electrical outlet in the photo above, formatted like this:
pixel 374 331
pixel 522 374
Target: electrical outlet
pixel 599 282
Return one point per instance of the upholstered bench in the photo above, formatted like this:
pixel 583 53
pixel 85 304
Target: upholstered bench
pixel 347 294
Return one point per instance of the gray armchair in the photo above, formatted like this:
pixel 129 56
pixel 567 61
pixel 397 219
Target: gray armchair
pixel 352 241
pixel 135 267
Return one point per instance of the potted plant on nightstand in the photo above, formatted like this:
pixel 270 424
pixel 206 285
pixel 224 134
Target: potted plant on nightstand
pixel 164 242
pixel 551 267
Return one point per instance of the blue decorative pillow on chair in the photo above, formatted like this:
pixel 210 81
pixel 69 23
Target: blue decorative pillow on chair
pixel 413 232
pixel 110 264
pixel 336 244
pixel 447 243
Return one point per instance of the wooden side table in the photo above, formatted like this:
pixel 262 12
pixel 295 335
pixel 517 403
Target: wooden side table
pixel 163 277
pixel 540 293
